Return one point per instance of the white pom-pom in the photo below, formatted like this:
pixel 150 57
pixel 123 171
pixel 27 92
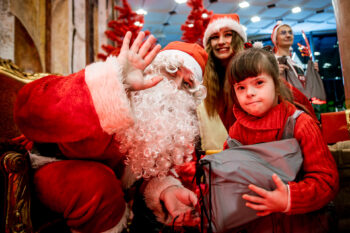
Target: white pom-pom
pixel 279 22
pixel 258 44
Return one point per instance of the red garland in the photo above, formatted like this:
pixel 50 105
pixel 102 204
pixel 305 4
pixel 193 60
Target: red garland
pixel 195 25
pixel 125 22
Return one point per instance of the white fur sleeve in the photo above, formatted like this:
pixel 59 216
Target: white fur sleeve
pixel 152 194
pixel 105 83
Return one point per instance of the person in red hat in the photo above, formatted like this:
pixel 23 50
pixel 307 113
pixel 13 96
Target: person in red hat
pixel 223 38
pixel 113 123
pixel 282 37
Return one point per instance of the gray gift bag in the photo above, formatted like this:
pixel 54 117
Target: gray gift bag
pixel 314 83
pixel 229 173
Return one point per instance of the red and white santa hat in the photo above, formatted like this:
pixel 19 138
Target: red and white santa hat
pixel 275 29
pixel 219 21
pixel 193 55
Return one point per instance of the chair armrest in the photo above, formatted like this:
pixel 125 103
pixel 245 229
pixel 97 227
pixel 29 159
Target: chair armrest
pixel 15 170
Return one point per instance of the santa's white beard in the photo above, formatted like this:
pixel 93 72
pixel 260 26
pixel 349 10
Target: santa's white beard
pixel 164 132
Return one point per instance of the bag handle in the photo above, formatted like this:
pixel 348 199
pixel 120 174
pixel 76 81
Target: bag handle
pixel 288 131
pixel 199 177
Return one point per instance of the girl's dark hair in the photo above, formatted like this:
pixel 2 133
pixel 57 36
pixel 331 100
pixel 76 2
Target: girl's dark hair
pixel 253 62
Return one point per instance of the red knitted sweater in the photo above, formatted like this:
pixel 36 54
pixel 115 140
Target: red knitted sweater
pixel 319 183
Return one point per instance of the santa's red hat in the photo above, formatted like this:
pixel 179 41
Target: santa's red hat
pixel 274 31
pixel 194 56
pixel 219 21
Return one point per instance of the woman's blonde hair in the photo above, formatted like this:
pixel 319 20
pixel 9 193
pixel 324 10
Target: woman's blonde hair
pixel 218 89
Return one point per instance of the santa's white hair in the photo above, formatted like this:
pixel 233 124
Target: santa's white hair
pixel 165 128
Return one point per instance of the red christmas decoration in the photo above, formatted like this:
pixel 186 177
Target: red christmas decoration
pixel 303 50
pixel 127 20
pixel 196 23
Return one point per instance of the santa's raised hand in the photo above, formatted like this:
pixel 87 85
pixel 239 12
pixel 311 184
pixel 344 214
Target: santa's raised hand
pixel 268 201
pixel 135 59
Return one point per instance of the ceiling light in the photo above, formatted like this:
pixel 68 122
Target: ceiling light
pixel 244 27
pixel 255 19
pixel 296 9
pixel 243 4
pixel 190 25
pixel 317 53
pixel 141 12
pixel 205 15
pixel 180 1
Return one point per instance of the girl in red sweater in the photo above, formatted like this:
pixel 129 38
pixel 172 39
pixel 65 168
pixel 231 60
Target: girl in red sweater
pixel 263 106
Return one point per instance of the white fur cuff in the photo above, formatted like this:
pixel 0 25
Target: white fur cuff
pixel 38 161
pixel 105 82
pixel 152 194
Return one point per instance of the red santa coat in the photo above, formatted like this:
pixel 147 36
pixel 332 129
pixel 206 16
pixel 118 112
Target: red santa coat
pixel 82 113
pixel 319 184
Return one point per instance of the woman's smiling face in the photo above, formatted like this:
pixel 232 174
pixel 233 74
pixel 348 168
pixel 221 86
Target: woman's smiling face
pixel 221 43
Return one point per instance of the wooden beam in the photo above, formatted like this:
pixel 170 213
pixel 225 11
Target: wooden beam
pixel 342 17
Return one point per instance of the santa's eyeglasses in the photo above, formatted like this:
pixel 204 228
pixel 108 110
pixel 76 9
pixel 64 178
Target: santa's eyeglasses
pixel 284 32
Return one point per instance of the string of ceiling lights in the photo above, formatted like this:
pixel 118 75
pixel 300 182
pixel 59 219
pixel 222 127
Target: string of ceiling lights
pixel 242 4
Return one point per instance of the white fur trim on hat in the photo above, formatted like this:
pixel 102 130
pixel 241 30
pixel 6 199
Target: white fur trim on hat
pixel 216 25
pixel 189 61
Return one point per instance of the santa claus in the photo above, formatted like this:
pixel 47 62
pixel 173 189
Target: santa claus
pixel 114 122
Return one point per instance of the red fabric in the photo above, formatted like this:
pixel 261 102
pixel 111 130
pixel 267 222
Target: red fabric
pixel 57 109
pixel 319 184
pixel 334 127
pixel 60 110
pixel 88 194
pixel 215 17
pixel 194 50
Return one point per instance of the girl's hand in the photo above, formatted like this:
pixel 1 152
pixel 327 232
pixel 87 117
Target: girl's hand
pixel 268 201
pixel 135 59
pixel 180 202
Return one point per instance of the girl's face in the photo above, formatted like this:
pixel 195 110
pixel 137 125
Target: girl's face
pixel 221 43
pixel 256 95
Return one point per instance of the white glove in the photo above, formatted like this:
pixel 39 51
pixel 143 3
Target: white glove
pixel 180 203
pixel 135 59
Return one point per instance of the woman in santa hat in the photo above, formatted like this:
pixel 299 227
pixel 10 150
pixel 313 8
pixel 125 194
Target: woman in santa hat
pixel 291 73
pixel 223 38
